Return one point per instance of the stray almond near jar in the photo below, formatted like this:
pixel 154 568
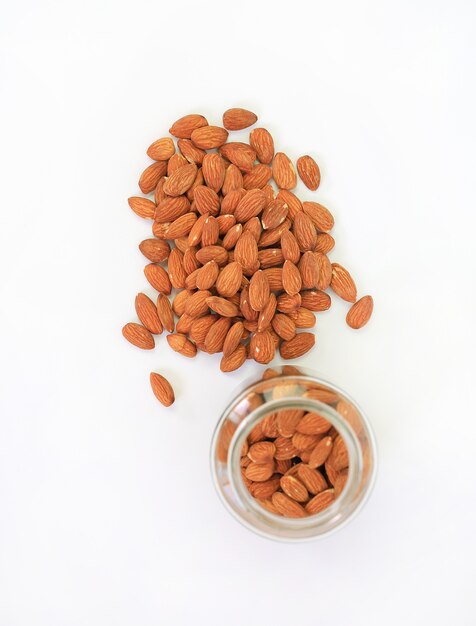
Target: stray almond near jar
pixel 246 258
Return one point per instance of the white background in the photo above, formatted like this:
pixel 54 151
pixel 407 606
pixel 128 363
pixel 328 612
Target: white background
pixel 107 512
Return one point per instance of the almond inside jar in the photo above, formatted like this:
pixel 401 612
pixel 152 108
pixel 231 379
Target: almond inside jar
pixel 294 463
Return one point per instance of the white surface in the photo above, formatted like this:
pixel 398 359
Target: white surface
pixel 108 515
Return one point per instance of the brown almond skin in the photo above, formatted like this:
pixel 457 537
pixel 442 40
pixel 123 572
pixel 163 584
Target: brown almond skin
pixel 142 207
pixel 320 452
pixel 262 142
pixel 147 313
pixel 309 172
pixel 286 506
pixel 229 280
pixel 360 312
pixel 283 171
pixel 151 176
pixel 139 336
pixel 237 119
pixel 259 290
pixel 209 137
pixel 298 346
pixel 292 281
pixel 320 502
pixel 233 338
pixel 233 361
pixel 166 315
pixel 155 250
pixel 216 335
pixel 183 127
pixel 162 149
pixel 294 488
pixel 180 343
pixel 262 347
pixel 162 389
pixel 342 283
pixel 158 278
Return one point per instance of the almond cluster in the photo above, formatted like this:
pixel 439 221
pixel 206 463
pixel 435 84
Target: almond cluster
pixel 245 258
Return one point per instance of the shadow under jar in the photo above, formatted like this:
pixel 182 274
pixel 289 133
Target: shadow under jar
pixel 292 390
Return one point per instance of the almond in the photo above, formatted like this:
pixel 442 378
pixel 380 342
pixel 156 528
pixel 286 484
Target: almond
pixel 151 176
pixel 262 347
pixel 190 151
pixel 174 163
pixel 287 303
pixel 246 253
pixel 309 172
pixel 195 234
pixel 225 222
pixel 312 479
pixel 234 360
pixel 223 307
pixel 212 253
pixel 286 506
pixel 237 119
pixel 283 171
pixel 184 126
pixel 200 327
pixel 238 155
pixel 206 200
pixel 181 226
pixel 207 275
pixel 305 232
pixel 284 449
pixel 320 452
pixel 324 243
pixel 252 203
pixel 213 169
pixel 267 313
pixel 275 278
pixel 297 346
pixel 293 202
pixel 233 338
pixel 253 226
pixel 171 208
pixel 216 336
pixel 231 200
pixel 287 421
pixel 259 472
pixel 268 423
pixel 262 142
pixel 262 452
pixel 264 489
pixel 338 457
pixel 180 343
pixel 303 318
pixel 229 280
pixel 162 389
pixel 159 193
pixel 313 424
pixel 325 271
pixel 320 502
pixel 304 442
pixel 360 312
pixel 342 283
pixel 138 336
pixel 147 313
pixel 176 272
pixel 197 305
pixel 155 250
pixel 309 270
pixel 232 236
pixel 259 176
pixel 259 290
pixel 315 300
pixel 165 313
pixel 294 488
pixel 142 207
pixel 162 149
pixel 274 214
pixel 158 278
pixel 210 232
pixel 291 278
pixel 181 180
pixel 209 137
pixel 233 179
pixel 270 257
pixel 283 326
pixel 319 215
pixel 245 307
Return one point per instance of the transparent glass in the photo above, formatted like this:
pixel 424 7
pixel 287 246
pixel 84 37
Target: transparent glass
pixel 289 388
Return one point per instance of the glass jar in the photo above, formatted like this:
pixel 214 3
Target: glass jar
pixel 284 388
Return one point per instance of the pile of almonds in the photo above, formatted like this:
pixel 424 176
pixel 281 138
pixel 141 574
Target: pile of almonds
pixel 294 463
pixel 248 260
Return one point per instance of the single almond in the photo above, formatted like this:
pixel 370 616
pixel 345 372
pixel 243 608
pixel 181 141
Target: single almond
pixel 360 312
pixel 237 119
pixel 262 142
pixel 292 281
pixel 305 232
pixel 313 480
pixel 320 502
pixel 303 318
pixel 253 226
pixel 178 304
pixel 265 489
pixel 139 336
pixel 259 176
pixel 184 126
pixel 319 215
pixel 176 270
pixel 294 488
pixel 165 313
pixel 222 306
pixel 283 171
pixel 270 257
pixel 320 452
pixel 216 335
pixel 287 303
pixel 197 305
pixel 142 207
pixel 206 200
pixel 207 275
pixel 305 442
pixel 262 452
pixel 313 424
pixel 325 271
pixel 232 236
pixel 210 232
pixel 213 169
pixel 181 180
pixel 162 389
pixel 155 250
pixel 283 326
pixel 287 421
pixel 229 280
pixel 184 324
pixel 274 214
pixel 233 179
pixel 273 235
pixel 245 307
pixel 309 270
pixel 151 176
pixel 147 313
pixel 246 253
pixel 286 506
pixel 225 222
pixel 180 343
pixel 171 208
pixel 338 457
pixel 259 472
pixel 275 278
pixel 250 205
pixel 284 449
pixel 267 313
pixel 233 338
pixel 293 202
pixel 158 278
pixel 297 346
pixel 181 227
pixel 209 137
pixel 259 290
pixel 342 283
pixel 212 253
pixel 262 347
pixel 190 151
pixel 309 172
pixel 238 155
pixel 200 327
pixel 162 149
